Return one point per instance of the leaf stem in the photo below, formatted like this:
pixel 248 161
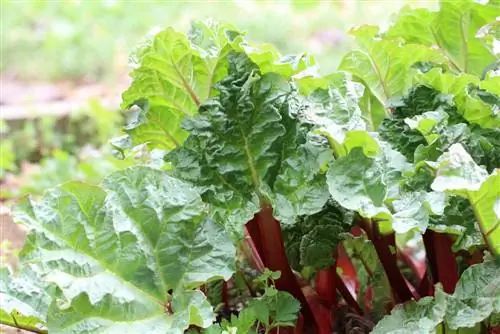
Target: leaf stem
pixel 15 324
pixel 441 259
pixel 485 233
pixel 400 288
pixel 265 232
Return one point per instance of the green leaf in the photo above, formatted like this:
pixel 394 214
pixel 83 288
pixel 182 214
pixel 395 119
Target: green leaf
pixel 420 317
pixel 247 145
pixel 418 101
pixel 362 249
pixel 174 74
pixel 458 219
pixel 489 34
pixel 458 174
pixel 366 188
pixel 477 101
pixel 276 308
pixel 25 300
pixel 453 29
pixel 476 297
pixel 314 238
pixel 335 113
pixel 384 66
pixel 115 252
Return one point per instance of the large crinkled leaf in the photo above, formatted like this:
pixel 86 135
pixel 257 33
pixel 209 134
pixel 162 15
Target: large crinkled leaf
pixel 175 73
pixel 25 300
pixel 476 297
pixel 126 256
pixel 425 123
pixel 453 29
pixel 247 145
pixel 385 66
pixel 458 174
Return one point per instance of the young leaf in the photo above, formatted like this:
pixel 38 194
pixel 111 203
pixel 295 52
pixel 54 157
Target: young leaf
pixel 453 29
pixel 384 66
pixel 115 252
pixel 174 74
pixel 314 238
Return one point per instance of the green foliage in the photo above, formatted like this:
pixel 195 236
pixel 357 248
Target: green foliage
pixel 247 145
pixel 121 248
pixel 243 130
pixel 476 297
pixel 313 239
pixel 25 300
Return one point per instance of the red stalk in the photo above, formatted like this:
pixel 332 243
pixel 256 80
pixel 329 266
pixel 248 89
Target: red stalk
pixel 253 254
pixel 441 259
pixel 418 267
pixel 346 293
pixel 225 295
pixel 426 288
pixel 349 274
pixel 399 285
pixel 325 286
pixel 265 232
pixel 322 313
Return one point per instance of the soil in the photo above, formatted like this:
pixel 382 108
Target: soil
pixel 15 234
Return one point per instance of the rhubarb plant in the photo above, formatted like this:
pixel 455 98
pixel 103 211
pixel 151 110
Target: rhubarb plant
pixel 288 202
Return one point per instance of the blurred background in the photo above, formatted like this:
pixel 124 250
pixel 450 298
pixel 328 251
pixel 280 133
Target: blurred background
pixel 64 66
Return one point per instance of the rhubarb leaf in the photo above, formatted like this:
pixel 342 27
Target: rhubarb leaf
pixel 395 128
pixel 476 297
pixel 247 145
pixel 367 187
pixel 458 174
pixel 414 317
pixel 385 66
pixel 478 101
pixel 127 256
pixel 175 73
pixel 313 239
pixel 25 300
pixel 453 29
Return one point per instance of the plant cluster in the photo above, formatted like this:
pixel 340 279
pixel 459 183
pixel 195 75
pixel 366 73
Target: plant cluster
pixel 367 200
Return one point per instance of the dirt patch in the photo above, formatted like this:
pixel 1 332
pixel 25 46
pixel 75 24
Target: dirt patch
pixel 11 234
pixel 14 235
